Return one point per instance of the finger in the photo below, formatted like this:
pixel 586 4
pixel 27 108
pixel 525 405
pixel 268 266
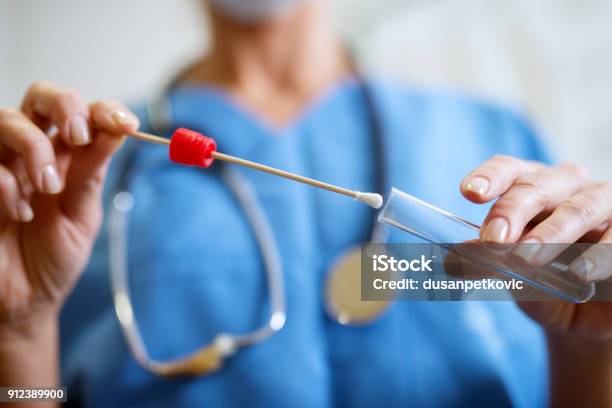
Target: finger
pixel 113 117
pixel 26 140
pixel 494 177
pixel 596 234
pixel 17 167
pixel 11 197
pixel 84 181
pixel 581 213
pixel 63 107
pixel 595 264
pixel 529 195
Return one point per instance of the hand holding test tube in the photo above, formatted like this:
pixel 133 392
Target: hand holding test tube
pixel 408 213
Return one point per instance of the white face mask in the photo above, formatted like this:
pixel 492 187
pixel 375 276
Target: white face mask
pixel 255 11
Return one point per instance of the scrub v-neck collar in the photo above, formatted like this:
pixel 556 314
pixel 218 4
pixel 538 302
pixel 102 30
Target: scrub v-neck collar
pixel 236 128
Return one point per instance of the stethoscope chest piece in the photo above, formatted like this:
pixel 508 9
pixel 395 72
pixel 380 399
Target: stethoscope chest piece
pixel 342 292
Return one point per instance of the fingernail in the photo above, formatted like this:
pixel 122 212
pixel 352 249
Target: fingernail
pixel 479 185
pixel 528 250
pixel 24 211
pixel 495 231
pixel 123 119
pixel 51 181
pixel 79 130
pixel 585 268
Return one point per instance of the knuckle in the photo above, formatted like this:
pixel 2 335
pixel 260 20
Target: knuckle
pixel 529 183
pixel 576 169
pixel 107 102
pixel 580 208
pixel 99 104
pixel 7 181
pixel 505 159
pixel 68 99
pixel 36 148
pixel 490 169
pixel 501 157
pixel 105 105
pixel 535 164
pixel 602 187
pixel 7 114
pixel 540 200
pixel 549 231
pixel 38 86
pixel 506 205
pixel 499 166
pixel 534 191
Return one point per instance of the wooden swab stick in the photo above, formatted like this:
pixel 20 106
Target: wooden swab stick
pixel 149 138
pixel 372 199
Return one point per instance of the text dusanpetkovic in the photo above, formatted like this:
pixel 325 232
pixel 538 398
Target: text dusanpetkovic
pixel 436 284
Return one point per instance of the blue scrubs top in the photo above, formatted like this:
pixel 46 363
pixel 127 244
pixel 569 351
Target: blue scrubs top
pixel 195 269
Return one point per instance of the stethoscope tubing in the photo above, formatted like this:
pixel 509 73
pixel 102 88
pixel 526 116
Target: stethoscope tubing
pixel 160 120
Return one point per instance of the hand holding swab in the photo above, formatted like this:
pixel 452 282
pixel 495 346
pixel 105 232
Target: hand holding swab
pixel 192 148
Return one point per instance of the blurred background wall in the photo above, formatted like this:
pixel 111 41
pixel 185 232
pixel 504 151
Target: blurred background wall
pixel 551 58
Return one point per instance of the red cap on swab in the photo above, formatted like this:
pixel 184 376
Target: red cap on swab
pixel 191 148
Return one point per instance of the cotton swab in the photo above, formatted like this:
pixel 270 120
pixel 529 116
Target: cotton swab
pixel 193 148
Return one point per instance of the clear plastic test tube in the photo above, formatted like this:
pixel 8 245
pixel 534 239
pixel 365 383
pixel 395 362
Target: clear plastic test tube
pixel 408 213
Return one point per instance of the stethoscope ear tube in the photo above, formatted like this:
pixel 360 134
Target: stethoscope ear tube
pixel 209 358
pixel 122 203
pixel 264 235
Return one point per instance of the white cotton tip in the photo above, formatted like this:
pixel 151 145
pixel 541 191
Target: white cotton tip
pixel 372 199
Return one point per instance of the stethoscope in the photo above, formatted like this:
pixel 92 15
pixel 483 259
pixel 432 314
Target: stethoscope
pixel 342 290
